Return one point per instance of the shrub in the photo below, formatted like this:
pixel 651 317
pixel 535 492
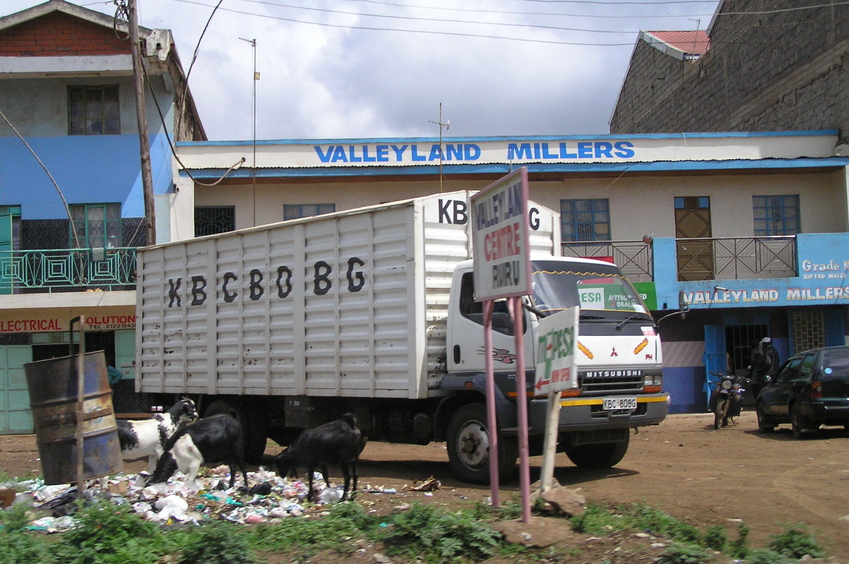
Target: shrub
pixel 796 542
pixel 218 542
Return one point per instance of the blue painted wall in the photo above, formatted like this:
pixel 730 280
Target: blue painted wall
pixel 87 168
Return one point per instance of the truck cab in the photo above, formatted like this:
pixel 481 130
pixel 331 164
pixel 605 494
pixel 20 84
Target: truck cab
pixel 619 363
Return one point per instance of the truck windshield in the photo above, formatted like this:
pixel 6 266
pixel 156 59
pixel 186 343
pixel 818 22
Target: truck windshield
pixel 559 285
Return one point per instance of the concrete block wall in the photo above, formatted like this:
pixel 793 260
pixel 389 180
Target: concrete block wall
pixel 786 70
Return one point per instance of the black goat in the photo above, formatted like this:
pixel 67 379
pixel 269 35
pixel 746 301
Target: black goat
pixel 338 442
pixel 215 439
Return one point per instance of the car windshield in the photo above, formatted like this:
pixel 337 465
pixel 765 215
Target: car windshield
pixel 835 362
pixel 595 287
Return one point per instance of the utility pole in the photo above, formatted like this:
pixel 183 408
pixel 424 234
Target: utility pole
pixel 141 116
pixel 253 121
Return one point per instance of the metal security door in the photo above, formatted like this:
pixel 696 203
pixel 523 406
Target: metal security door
pixel 125 352
pixel 715 356
pixel 15 413
pixel 693 237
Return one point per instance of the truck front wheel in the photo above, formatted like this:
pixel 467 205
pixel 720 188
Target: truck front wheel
pixel 469 443
pixel 253 426
pixel 598 456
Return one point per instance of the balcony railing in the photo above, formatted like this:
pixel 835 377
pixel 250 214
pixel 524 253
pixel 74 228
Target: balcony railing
pixel 736 258
pixel 634 258
pixel 67 270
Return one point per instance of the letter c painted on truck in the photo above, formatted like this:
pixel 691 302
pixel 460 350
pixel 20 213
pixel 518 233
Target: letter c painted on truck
pixel 533 219
pixel 360 279
pixel 228 295
pixel 256 285
pixel 198 287
pixel 321 282
pixel 280 291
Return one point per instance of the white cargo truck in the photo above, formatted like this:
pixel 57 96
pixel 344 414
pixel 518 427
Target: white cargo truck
pixel 372 311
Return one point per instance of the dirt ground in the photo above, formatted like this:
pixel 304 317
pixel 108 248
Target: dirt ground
pixel 683 466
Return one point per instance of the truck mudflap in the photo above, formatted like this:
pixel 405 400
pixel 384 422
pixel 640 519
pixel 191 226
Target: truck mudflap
pixel 602 412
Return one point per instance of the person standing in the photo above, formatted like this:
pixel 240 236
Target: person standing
pixel 764 363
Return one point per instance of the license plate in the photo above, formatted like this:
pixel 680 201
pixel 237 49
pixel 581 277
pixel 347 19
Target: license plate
pixel 619 404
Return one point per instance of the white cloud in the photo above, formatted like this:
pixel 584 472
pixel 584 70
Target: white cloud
pixel 342 80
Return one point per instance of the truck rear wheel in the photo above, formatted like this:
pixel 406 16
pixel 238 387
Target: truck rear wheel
pixel 598 456
pixel 253 427
pixel 468 446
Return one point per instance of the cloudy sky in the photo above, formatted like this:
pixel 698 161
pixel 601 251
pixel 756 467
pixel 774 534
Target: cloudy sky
pixel 381 68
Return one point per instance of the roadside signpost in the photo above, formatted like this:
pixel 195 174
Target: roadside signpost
pixel 555 373
pixel 503 270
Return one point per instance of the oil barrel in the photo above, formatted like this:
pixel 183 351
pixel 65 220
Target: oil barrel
pixel 53 392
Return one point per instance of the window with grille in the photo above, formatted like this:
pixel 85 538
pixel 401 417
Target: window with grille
pixel 776 215
pixel 93 110
pixel 585 220
pixel 95 226
pixel 295 211
pixel 210 220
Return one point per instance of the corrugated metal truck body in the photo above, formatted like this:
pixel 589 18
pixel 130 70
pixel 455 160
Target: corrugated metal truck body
pixel 350 304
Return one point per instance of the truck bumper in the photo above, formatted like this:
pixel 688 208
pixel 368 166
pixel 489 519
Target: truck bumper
pixel 588 414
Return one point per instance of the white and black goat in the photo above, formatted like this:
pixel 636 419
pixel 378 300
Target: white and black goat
pixel 146 437
pixel 213 440
pixel 338 442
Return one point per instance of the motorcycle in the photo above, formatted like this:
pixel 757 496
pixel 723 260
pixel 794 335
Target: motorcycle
pixel 726 400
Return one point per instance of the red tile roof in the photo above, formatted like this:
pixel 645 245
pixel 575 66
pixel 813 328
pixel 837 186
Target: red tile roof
pixel 688 42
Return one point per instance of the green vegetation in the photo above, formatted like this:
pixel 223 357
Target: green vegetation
pixel 107 533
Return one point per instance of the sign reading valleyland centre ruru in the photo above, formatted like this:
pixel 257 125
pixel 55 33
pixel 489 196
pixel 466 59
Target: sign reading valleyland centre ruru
pixel 500 227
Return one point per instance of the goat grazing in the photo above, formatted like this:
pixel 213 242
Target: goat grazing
pixel 146 437
pixel 215 439
pixel 338 442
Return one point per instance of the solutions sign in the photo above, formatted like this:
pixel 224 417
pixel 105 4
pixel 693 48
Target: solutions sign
pixel 501 248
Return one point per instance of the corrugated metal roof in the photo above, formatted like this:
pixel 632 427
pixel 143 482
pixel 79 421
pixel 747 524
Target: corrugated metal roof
pixel 689 43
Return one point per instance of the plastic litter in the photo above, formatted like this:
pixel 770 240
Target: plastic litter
pixel 267 498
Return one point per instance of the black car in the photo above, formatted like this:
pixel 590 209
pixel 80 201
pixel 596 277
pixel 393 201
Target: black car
pixel 811 389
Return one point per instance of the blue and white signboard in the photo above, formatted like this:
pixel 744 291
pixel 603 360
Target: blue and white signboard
pixel 500 231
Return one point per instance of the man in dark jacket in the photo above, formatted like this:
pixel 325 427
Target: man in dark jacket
pixel 764 362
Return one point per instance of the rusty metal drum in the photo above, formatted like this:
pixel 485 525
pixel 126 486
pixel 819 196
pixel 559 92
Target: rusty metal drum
pixel 53 398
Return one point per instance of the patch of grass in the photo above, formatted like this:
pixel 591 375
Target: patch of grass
pixel 684 553
pixel 423 532
pixel 110 534
pixel 218 542
pixel 303 537
pixel 795 541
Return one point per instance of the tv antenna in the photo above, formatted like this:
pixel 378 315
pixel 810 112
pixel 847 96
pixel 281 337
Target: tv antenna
pixel 446 124
pixel 253 121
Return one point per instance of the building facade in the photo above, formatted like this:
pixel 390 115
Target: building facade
pixel 763 66
pixel 729 237
pixel 72 207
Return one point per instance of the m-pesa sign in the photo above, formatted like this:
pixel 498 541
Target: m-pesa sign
pixel 500 228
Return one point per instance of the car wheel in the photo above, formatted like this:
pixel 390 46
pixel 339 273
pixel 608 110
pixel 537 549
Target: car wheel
pixel 468 445
pixel 765 424
pixel 800 424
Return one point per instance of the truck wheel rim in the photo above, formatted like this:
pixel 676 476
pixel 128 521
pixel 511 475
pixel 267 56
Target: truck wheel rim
pixel 473 444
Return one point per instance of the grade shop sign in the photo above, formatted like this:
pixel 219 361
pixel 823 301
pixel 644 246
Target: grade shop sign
pixel 278 282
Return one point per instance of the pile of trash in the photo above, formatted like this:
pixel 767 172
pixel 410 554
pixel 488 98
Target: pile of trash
pixel 269 498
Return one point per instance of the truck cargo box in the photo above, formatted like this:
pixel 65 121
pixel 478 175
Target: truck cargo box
pixel 349 304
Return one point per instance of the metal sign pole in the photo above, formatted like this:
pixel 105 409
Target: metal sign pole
pixel 488 306
pixel 515 305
